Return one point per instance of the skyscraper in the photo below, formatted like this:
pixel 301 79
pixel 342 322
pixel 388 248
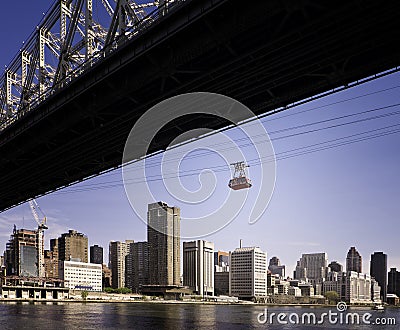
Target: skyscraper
pixel 378 270
pixel 312 266
pixel 163 237
pixel 394 282
pixel 96 254
pixel 198 264
pixel 117 253
pixel 248 273
pixel 353 261
pixel 73 245
pixel 137 266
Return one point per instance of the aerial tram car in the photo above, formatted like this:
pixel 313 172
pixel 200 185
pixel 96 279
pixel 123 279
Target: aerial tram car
pixel 239 180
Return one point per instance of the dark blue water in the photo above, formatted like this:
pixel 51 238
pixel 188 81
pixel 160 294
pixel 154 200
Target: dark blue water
pixel 164 316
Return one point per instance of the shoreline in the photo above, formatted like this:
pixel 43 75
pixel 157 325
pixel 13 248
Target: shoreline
pixel 118 301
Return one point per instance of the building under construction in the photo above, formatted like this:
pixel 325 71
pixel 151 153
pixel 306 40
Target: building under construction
pixel 23 263
pixel 22 253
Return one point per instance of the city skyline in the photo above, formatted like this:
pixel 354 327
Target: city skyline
pixel 271 258
pixel 129 264
pixel 333 195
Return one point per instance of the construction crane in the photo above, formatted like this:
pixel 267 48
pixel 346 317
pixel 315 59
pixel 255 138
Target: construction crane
pixel 42 225
pixel 240 180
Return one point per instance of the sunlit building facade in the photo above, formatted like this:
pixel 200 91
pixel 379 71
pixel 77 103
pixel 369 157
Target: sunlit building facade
pixel 248 273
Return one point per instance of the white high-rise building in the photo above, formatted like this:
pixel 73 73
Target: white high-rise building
pixel 81 275
pixel 248 273
pixel 198 264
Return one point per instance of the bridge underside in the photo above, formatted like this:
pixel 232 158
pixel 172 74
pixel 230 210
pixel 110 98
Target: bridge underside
pixel 266 54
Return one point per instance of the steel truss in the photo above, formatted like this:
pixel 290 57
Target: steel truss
pixel 71 37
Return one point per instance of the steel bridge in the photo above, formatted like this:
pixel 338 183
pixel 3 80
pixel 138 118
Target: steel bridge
pixel 71 95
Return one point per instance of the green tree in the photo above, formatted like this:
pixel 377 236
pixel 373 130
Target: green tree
pixel 108 290
pixel 125 290
pixel 332 296
pixel 119 290
pixel 84 294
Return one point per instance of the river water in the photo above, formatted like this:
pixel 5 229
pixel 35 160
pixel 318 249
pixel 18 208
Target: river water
pixel 179 316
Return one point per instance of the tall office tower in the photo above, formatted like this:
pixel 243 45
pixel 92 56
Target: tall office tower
pixel 248 273
pixel 73 246
pixel 378 270
pixel 96 254
pixel 394 282
pixel 163 237
pixel 198 264
pixel 312 267
pixel 21 256
pixel 117 253
pixel 137 266
pixel 353 261
pixel 335 267
pixel 51 259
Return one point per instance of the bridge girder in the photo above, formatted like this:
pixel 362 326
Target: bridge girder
pixel 69 36
pixel 268 56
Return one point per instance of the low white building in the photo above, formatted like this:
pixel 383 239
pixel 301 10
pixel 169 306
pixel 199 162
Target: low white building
pixel 307 290
pixel 358 288
pixel 375 291
pixel 283 287
pixel 352 287
pixel 294 291
pixel 81 275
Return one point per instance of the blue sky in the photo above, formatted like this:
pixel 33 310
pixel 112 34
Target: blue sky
pixel 325 201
